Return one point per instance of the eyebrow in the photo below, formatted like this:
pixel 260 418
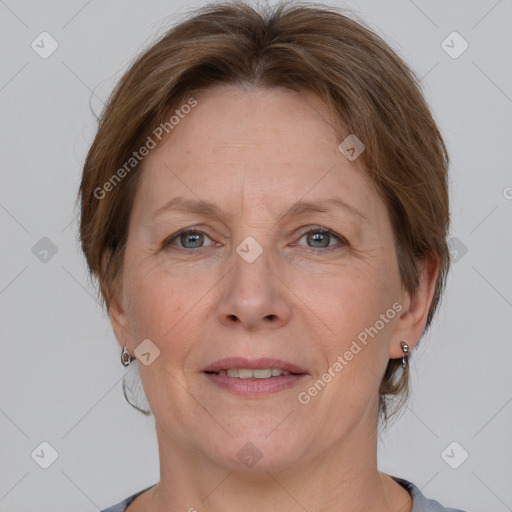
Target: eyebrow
pixel 184 205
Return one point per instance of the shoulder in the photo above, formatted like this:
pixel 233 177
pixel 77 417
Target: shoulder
pixel 419 502
pixel 122 505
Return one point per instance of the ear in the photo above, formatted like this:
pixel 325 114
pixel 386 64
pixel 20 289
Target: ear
pixel 120 324
pixel 118 318
pixel 415 308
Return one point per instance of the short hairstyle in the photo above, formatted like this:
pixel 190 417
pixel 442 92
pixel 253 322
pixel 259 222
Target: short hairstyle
pixel 369 89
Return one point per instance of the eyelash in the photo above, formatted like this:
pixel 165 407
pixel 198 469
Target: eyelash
pixel 302 232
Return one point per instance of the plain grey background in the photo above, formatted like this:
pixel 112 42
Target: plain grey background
pixel 60 369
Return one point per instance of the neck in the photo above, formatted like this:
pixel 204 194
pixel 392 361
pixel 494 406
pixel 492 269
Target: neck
pixel 342 478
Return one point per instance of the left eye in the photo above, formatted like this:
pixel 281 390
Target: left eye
pixel 321 237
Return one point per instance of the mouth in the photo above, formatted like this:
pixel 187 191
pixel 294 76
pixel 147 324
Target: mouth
pixel 247 373
pixel 253 378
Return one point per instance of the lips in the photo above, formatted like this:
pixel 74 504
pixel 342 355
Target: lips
pixel 249 378
pixel 239 363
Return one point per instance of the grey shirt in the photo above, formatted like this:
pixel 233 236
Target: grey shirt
pixel 419 502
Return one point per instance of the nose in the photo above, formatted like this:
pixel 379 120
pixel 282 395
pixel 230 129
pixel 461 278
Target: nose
pixel 254 295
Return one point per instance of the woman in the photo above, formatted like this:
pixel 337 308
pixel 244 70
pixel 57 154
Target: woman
pixel 265 207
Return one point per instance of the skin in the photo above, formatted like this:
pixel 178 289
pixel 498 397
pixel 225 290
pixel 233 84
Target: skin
pixel 254 152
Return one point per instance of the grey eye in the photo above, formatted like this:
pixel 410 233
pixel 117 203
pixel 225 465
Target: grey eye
pixel 190 239
pixel 320 239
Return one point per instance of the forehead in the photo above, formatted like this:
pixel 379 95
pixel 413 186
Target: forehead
pixel 233 118
pixel 268 144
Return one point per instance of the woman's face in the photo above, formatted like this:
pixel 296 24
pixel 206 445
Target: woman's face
pixel 250 283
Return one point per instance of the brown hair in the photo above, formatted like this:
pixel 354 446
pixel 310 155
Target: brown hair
pixel 303 47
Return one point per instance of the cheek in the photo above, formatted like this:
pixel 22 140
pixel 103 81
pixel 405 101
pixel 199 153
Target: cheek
pixel 156 305
pixel 350 299
pixel 356 352
pixel 357 307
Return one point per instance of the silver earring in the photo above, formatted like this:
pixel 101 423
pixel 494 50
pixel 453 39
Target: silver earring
pixel 126 357
pixel 405 349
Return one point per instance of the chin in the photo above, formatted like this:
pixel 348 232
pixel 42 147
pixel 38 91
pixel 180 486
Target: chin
pixel 259 452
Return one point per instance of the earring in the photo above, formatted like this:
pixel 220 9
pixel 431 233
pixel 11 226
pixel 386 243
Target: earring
pixel 126 357
pixel 405 349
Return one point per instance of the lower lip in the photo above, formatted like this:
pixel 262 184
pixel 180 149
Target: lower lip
pixel 254 387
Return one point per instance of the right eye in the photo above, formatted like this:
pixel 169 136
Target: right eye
pixel 189 238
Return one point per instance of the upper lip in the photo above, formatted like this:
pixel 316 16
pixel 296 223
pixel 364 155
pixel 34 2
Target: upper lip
pixel 253 364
